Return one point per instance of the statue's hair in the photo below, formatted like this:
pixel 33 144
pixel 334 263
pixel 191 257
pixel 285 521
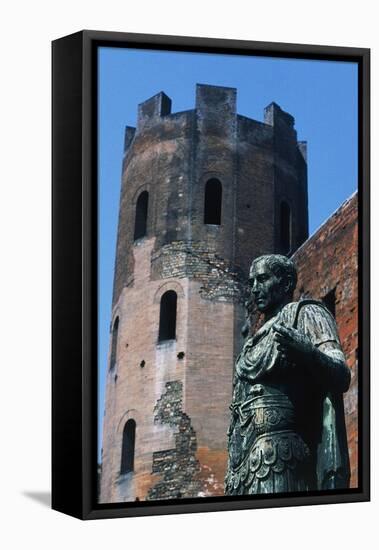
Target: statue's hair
pixel 281 266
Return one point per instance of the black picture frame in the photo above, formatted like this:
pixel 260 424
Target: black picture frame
pixel 74 271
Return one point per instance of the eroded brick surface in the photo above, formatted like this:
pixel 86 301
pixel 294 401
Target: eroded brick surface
pixel 220 279
pixel 178 465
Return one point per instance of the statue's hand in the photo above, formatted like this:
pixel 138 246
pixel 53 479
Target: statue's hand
pixel 294 345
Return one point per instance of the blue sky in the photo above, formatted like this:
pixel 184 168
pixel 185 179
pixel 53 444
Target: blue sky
pixel 321 95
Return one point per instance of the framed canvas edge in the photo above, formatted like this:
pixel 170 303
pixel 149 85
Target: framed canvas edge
pixel 87 508
pixel 67 130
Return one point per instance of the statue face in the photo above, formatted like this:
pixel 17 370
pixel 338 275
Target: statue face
pixel 268 290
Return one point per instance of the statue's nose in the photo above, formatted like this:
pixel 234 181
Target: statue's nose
pixel 254 288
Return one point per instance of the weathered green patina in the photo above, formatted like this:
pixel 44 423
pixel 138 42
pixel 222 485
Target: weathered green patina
pixel 287 430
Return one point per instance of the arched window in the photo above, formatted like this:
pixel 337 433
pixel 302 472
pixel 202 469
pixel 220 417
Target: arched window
pixel 114 343
pixel 167 316
pixel 213 202
pixel 141 215
pixel 285 228
pixel 128 444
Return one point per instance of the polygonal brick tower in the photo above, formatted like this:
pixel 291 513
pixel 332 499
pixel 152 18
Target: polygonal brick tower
pixel 203 192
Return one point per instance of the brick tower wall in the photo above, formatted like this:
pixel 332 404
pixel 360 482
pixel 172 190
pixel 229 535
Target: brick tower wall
pixel 178 391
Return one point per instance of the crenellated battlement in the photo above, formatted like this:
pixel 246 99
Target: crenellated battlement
pixel 215 112
pixel 152 109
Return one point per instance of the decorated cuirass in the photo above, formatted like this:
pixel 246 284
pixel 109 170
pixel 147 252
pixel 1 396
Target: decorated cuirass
pixel 264 445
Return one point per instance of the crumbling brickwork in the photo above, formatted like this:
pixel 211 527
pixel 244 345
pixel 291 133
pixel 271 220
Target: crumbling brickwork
pixel 219 278
pixel 178 466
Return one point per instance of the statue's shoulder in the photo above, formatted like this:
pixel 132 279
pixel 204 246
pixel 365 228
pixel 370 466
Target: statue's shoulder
pixel 288 313
pixel 307 308
pixel 314 318
pixel 311 305
pixel 288 308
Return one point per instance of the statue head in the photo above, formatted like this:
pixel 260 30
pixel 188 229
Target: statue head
pixel 272 280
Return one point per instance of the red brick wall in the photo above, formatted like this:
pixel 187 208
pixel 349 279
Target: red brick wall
pixel 328 261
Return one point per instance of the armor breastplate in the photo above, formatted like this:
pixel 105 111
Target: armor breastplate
pixel 264 443
pixel 265 420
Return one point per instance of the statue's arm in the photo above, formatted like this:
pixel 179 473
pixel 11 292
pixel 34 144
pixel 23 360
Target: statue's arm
pixel 328 362
pixel 328 358
pixel 316 347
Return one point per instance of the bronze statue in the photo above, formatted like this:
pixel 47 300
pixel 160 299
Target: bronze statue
pixel 287 429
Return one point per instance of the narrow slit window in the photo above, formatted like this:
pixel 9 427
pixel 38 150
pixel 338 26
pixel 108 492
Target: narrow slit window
pixel 330 301
pixel 285 228
pixel 167 316
pixel 114 343
pixel 128 444
pixel 140 226
pixel 213 202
